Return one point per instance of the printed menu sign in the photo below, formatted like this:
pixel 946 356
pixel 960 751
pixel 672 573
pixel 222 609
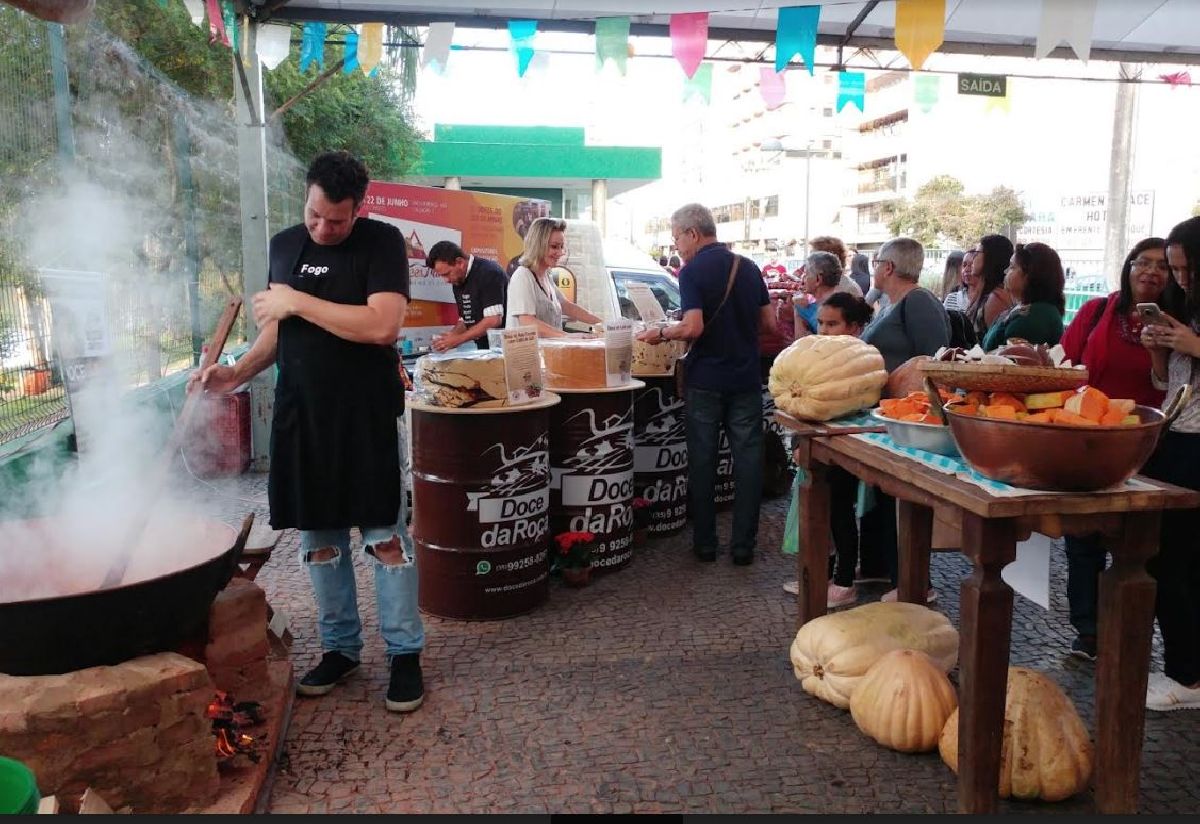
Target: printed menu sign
pixel 522 364
pixel 618 352
pixel 649 309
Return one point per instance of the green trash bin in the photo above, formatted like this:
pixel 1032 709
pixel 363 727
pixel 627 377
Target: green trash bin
pixel 18 788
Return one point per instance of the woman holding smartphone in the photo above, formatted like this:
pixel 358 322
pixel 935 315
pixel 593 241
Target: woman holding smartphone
pixel 1174 354
pixel 1105 336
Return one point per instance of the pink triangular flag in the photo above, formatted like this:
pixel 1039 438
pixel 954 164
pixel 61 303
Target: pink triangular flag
pixel 773 86
pixel 689 39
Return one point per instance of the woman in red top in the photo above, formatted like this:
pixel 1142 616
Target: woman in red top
pixel 1106 336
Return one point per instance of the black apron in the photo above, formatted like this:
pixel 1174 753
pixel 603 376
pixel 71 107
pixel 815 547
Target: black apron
pixel 334 441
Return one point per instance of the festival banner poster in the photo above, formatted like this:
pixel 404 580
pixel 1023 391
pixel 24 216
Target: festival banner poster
pixel 483 224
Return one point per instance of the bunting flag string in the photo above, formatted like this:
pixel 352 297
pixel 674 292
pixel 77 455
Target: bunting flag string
pixel 370 47
pixel 699 84
pixel 229 18
pixel 920 28
pixel 195 9
pixel 689 40
pixel 773 86
pixel 926 90
pixel 1069 20
pixel 1176 79
pixel 852 88
pixel 437 46
pixel 350 52
pixel 312 46
pixel 796 34
pixel 612 42
pixel 216 23
pixel 273 44
pixel 521 33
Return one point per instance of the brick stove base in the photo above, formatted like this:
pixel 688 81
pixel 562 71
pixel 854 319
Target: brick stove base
pixel 137 734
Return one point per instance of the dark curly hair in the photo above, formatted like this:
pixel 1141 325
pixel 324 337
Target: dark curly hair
pixel 340 175
pixel 1044 278
pixel 1186 236
pixel 853 308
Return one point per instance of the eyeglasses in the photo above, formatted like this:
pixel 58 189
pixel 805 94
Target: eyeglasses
pixel 879 260
pixel 1144 264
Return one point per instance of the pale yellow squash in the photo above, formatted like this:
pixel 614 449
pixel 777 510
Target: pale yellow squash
pixel 1045 753
pixel 831 654
pixel 903 701
pixel 821 377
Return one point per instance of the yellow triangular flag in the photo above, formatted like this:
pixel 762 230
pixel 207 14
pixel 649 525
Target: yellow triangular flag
pixel 920 28
pixel 370 46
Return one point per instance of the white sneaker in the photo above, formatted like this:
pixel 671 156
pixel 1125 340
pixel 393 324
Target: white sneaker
pixel 892 594
pixel 792 587
pixel 1165 694
pixel 837 596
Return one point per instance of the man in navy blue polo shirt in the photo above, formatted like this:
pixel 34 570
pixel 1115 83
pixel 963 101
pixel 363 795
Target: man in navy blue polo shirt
pixel 724 384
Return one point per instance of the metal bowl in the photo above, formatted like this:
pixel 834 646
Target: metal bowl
pixel 1056 457
pixel 931 437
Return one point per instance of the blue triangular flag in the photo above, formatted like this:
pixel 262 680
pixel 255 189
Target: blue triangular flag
pixel 852 88
pixel 796 34
pixel 350 55
pixel 312 46
pixel 522 32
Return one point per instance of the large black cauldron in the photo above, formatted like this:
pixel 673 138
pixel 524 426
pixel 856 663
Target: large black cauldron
pixel 108 626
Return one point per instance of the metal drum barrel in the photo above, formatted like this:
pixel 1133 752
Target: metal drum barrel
pixel 591 464
pixel 660 454
pixel 481 508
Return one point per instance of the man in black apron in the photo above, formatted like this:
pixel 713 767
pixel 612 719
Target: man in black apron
pixel 338 291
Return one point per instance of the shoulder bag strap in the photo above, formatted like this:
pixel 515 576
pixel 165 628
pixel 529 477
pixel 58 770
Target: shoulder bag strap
pixel 737 259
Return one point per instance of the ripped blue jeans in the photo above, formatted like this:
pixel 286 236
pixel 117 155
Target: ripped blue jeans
pixel 337 596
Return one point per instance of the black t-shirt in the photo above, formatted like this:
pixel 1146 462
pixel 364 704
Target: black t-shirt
pixel 482 294
pixel 334 447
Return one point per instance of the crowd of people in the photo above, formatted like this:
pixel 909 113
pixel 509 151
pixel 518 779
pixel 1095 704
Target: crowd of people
pixel 335 303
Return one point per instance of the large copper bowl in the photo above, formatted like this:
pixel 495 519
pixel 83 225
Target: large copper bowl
pixel 1056 457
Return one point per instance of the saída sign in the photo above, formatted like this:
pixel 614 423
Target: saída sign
pixel 984 85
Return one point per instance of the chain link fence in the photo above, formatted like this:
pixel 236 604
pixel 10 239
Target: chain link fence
pixel 107 166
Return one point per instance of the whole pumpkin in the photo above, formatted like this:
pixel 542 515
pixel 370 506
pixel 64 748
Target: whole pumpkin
pixel 821 377
pixel 906 378
pixel 1045 752
pixel 903 701
pixel 831 654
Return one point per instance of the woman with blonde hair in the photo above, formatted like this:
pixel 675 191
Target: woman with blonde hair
pixel 533 299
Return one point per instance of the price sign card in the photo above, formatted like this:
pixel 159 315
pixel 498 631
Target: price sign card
pixel 522 365
pixel 618 352
pixel 649 309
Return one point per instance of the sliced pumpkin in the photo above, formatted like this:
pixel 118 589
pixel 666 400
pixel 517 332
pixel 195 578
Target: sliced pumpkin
pixel 1002 411
pixel 1046 400
pixel 1070 418
pixel 1089 402
pixel 1006 399
pixel 1125 405
pixel 1038 417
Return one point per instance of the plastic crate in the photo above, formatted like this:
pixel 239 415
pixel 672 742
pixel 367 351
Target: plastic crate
pixel 218 444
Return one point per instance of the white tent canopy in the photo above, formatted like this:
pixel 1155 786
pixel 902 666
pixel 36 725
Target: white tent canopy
pixel 1161 31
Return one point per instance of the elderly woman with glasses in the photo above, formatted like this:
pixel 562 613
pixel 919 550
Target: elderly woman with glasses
pixel 822 277
pixel 533 299
pixel 1106 337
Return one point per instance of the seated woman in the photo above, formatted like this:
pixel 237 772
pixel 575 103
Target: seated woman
pixel 533 299
pixel 1035 281
pixel 842 314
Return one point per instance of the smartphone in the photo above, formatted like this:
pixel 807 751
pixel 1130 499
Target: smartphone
pixel 1150 313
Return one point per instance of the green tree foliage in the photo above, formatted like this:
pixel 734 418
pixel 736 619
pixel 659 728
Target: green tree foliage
pixel 941 212
pixel 366 116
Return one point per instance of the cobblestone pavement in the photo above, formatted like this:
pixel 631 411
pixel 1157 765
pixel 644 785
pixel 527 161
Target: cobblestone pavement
pixel 665 687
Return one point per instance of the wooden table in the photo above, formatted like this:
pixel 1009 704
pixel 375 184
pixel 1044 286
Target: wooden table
pixel 991 526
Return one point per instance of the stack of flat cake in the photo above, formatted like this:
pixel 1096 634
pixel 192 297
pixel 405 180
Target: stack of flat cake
pixel 463 379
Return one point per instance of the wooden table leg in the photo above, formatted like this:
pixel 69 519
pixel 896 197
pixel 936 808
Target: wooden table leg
pixel 915 537
pixel 986 612
pixel 813 558
pixel 1126 627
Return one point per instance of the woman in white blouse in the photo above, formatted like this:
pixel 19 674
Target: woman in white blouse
pixel 1174 356
pixel 533 299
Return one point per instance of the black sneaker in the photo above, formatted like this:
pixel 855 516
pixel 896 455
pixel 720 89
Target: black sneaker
pixel 324 676
pixel 406 689
pixel 1084 646
pixel 743 558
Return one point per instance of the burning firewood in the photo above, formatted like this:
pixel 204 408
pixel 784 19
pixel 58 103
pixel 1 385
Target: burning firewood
pixel 228 719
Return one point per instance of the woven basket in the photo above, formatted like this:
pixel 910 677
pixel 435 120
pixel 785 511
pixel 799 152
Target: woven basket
pixel 1000 377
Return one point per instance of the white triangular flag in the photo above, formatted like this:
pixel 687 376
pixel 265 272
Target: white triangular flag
pixel 196 9
pixel 1069 20
pixel 274 43
pixel 437 44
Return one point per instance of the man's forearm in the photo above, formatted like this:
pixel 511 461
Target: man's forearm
pixel 260 355
pixel 357 324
